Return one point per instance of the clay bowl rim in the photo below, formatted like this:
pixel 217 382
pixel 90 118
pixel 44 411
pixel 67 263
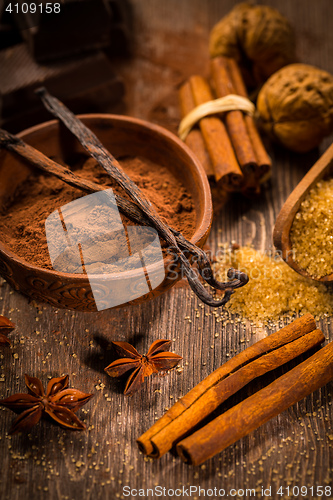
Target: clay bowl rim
pixel 203 225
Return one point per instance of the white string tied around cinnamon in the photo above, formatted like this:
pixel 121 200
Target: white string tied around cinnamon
pixel 231 102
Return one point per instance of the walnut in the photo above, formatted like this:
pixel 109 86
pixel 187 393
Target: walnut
pixel 258 37
pixel 295 106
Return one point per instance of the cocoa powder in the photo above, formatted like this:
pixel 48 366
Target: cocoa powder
pixel 22 222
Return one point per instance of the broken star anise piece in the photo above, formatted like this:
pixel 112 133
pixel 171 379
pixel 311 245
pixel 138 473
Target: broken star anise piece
pixel 6 326
pixel 59 402
pixel 154 361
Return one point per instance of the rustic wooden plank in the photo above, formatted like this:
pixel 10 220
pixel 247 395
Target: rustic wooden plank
pixel 295 448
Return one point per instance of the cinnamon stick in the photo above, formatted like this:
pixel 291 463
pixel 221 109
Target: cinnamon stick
pixel 217 140
pixel 38 159
pixel 194 139
pixel 230 385
pixel 263 160
pixel 209 393
pixel 236 126
pixel 254 411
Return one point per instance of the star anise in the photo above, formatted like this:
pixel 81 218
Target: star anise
pixel 59 402
pixel 154 361
pixel 6 326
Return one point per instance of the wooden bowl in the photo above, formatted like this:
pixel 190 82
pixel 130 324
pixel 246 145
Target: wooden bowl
pixel 121 135
pixel 281 235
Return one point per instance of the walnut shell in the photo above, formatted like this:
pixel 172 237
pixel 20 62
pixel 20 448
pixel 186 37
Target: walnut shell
pixel 258 37
pixel 295 106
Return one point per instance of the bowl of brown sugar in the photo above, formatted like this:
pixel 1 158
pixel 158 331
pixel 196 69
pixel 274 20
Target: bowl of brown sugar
pixel 159 164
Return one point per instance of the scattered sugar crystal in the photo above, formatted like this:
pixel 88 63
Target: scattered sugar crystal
pixel 274 290
pixel 311 234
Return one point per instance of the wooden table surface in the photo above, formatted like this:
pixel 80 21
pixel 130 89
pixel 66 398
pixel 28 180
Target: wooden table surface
pixel 293 449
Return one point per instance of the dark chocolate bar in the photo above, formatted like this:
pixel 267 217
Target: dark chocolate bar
pixel 86 84
pixel 77 26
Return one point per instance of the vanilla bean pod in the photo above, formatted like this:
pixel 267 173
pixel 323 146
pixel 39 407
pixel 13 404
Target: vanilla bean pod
pixel 96 149
pixel 131 210
pixel 238 278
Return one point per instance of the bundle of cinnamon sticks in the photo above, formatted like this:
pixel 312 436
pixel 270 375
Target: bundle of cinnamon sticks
pixel 229 147
pixel 177 428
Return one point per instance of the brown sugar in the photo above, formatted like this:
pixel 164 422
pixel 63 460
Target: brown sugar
pixel 274 291
pixel 311 234
pixel 22 222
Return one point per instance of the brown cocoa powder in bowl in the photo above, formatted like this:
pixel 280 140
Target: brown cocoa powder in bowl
pixel 22 221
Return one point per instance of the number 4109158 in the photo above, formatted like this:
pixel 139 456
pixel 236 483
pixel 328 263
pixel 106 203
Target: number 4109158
pixel 302 491
pixel 33 8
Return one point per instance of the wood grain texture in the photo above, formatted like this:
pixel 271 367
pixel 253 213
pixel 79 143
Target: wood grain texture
pixel 295 448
